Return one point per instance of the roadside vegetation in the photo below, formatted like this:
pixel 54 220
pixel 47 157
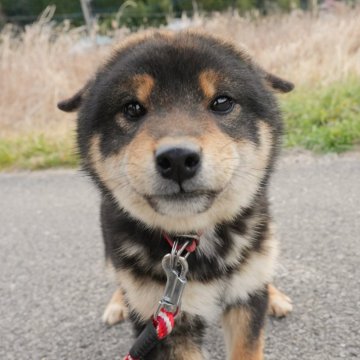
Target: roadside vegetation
pixel 324 119
pixel 44 63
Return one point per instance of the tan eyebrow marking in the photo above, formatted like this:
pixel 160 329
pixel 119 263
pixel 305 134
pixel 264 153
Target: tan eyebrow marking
pixel 208 80
pixel 143 83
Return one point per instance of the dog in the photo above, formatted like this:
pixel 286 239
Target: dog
pixel 180 132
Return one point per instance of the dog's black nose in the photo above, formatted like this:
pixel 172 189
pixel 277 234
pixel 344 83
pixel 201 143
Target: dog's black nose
pixel 177 163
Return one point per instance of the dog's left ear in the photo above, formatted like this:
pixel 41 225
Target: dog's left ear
pixel 74 102
pixel 278 84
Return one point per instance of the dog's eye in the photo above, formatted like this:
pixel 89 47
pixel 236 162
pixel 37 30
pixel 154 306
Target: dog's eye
pixel 133 110
pixel 222 105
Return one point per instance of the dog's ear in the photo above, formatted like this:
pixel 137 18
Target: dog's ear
pixel 273 82
pixel 73 103
pixel 278 84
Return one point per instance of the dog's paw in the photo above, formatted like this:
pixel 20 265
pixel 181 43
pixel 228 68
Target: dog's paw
pixel 116 311
pixel 280 305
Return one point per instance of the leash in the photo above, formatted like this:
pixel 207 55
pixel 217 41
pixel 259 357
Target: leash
pixel 162 322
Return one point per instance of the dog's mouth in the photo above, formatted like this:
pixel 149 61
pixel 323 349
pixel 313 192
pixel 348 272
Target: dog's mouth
pixel 185 195
pixel 182 203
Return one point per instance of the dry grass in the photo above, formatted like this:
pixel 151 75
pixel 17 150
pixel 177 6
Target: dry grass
pixel 304 49
pixel 40 66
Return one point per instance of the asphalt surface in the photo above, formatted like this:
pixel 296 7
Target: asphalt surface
pixel 53 284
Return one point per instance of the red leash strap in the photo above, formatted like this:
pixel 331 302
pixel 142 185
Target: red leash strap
pixel 164 323
pixel 129 357
pixel 154 332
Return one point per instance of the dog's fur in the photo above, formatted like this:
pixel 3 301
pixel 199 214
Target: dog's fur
pixel 176 77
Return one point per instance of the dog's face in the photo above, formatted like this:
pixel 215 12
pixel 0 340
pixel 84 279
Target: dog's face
pixel 180 128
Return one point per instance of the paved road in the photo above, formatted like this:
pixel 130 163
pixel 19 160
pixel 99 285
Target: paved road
pixel 54 287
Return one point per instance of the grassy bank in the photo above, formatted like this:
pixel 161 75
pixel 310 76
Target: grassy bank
pixel 323 119
pixel 37 151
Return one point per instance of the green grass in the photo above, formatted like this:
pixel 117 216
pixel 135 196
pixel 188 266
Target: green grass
pixel 323 119
pixel 37 151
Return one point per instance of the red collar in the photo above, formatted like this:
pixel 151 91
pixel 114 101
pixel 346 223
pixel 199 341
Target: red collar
pixel 190 248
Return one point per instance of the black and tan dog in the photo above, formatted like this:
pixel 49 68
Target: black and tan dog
pixel 180 132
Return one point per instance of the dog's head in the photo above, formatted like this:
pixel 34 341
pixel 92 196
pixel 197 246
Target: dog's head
pixel 181 128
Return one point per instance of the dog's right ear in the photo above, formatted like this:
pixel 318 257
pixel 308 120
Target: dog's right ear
pixel 278 84
pixel 74 102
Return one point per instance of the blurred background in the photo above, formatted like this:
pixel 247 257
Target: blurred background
pixel 48 49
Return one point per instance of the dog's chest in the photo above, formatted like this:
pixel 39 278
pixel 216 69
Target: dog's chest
pixel 206 298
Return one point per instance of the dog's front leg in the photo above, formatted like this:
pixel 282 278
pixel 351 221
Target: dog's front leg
pixel 243 328
pixel 280 305
pixel 116 311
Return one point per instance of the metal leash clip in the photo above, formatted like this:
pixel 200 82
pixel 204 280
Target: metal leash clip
pixel 176 268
